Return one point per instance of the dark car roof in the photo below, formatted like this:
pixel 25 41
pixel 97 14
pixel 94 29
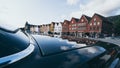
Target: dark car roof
pixel 68 54
pixel 50 45
pixel 12 41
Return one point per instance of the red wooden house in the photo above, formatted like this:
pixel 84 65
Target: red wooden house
pixel 65 27
pixel 100 26
pixel 82 26
pixel 73 26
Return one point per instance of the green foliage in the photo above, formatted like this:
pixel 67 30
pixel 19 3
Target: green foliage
pixel 116 21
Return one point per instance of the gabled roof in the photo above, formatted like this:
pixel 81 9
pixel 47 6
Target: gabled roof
pixel 76 19
pixel 53 22
pixel 88 18
pixel 66 20
pixel 103 18
pixel 28 24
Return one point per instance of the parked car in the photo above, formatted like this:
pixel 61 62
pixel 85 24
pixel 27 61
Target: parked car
pixel 21 50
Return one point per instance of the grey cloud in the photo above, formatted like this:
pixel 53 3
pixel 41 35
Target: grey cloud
pixel 103 7
pixel 72 2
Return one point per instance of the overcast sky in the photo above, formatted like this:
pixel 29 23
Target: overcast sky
pixel 17 12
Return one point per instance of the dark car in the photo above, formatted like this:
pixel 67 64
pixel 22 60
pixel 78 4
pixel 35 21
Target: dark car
pixel 21 50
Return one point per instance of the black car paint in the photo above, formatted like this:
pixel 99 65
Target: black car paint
pixel 65 59
pixel 12 42
pixel 70 59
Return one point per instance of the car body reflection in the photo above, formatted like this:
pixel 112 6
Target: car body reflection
pixel 49 52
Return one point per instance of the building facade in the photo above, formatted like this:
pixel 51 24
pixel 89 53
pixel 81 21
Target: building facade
pixel 82 26
pixel 40 29
pixel 58 28
pixel 73 27
pixel 65 28
pixel 27 27
pixel 32 29
pixel 52 25
pixel 47 28
pixel 99 26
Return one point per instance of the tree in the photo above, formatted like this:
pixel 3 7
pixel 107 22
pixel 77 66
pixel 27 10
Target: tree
pixel 116 21
pixel 117 26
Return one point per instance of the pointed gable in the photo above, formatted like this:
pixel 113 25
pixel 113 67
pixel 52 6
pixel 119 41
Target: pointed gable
pixel 104 19
pixel 85 18
pixel 66 21
pixel 88 18
pixel 65 26
pixel 75 19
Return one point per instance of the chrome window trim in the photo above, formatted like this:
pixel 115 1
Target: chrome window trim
pixel 17 56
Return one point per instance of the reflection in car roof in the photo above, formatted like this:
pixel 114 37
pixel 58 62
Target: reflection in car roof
pixel 51 46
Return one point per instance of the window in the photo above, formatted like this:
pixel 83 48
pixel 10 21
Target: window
pixel 72 21
pixel 90 24
pixel 64 23
pixel 94 19
pixel 84 23
pixel 74 25
pixel 73 28
pixel 82 20
pixel 94 23
pixel 98 23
